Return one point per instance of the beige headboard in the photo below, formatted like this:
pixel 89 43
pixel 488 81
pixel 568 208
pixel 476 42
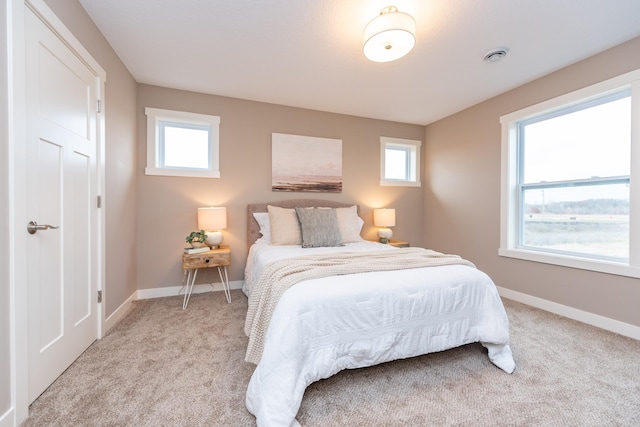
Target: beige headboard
pixel 253 230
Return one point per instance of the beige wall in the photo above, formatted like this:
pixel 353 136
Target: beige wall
pixel 167 205
pixel 462 193
pixel 120 180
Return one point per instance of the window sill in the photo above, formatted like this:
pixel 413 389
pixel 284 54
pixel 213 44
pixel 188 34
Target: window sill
pixel 386 183
pixel 184 173
pixel 608 267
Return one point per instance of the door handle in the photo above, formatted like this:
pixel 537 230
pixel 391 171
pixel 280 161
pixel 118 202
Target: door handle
pixel 33 227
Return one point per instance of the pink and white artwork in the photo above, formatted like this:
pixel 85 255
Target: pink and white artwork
pixel 306 163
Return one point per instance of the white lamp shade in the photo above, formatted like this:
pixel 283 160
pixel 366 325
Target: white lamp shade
pixel 384 217
pixel 389 36
pixel 212 220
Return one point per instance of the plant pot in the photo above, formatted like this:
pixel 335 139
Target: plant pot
pixel 197 244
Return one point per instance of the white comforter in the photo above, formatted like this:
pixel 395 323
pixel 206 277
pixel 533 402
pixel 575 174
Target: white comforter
pixel 323 326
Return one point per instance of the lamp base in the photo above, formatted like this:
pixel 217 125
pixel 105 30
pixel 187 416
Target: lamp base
pixel 385 234
pixel 214 239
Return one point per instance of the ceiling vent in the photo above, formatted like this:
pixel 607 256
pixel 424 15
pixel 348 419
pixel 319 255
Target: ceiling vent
pixel 495 55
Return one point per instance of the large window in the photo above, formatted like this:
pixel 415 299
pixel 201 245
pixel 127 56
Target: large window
pixel 182 144
pixel 399 162
pixel 568 165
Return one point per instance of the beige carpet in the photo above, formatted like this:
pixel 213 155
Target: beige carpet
pixel 162 366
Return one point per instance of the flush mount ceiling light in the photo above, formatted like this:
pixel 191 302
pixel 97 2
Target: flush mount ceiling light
pixel 389 36
pixel 495 55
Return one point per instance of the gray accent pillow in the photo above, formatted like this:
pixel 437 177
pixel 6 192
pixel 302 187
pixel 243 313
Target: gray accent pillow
pixel 319 227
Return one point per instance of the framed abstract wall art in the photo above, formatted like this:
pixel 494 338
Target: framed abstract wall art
pixel 306 163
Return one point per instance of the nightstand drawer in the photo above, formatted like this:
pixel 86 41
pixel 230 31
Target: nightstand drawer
pixel 215 258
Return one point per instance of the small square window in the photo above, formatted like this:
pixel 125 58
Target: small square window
pixel 182 144
pixel 185 146
pixel 399 162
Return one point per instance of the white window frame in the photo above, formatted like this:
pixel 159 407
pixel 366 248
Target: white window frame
pixel 509 191
pixel 155 116
pixel 413 169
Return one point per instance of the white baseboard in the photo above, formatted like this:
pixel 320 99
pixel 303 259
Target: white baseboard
pixel 171 291
pixel 8 418
pixel 118 314
pixel 602 322
pixel 175 290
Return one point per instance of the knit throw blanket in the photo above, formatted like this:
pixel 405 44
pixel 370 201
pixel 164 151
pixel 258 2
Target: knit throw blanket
pixel 278 276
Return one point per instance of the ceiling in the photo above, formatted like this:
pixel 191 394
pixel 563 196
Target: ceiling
pixel 308 53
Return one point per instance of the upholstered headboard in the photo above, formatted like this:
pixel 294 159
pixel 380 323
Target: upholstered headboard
pixel 253 230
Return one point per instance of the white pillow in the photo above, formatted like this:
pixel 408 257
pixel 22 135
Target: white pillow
pixel 263 221
pixel 350 224
pixel 284 226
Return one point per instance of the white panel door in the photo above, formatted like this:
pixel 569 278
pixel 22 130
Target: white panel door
pixel 61 191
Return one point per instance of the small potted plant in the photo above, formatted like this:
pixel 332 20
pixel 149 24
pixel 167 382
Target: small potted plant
pixel 196 239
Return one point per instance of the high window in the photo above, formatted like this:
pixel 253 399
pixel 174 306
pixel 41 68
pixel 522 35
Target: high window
pixel 399 162
pixel 182 144
pixel 568 164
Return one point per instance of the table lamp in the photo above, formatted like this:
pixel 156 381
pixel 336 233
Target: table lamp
pixel 212 219
pixel 384 218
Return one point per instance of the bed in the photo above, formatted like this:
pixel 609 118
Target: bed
pixel 325 311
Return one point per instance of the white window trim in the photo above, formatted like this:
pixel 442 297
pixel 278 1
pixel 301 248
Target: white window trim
pixel 155 115
pixel 412 144
pixel 508 198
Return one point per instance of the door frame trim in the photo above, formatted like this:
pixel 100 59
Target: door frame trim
pixel 17 197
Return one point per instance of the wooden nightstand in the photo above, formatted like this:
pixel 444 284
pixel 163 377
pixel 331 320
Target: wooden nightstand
pixel 191 263
pixel 398 243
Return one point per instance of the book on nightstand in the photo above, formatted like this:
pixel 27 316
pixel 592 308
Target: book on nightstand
pixel 191 251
